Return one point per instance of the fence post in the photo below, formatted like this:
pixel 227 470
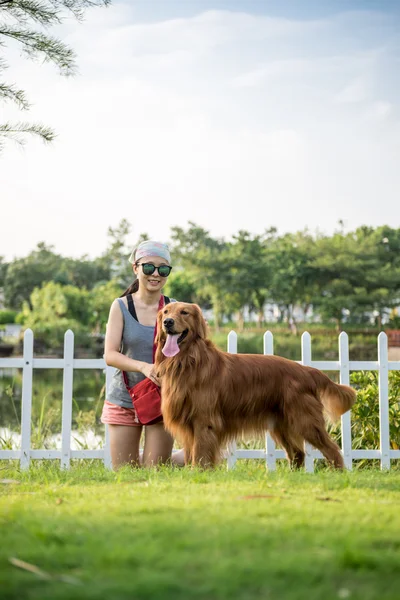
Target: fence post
pixel 306 360
pixel 384 400
pixel 26 408
pixel 346 418
pixel 232 348
pixel 269 442
pixel 68 382
pixel 107 452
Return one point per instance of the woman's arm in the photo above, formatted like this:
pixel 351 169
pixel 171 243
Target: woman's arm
pixel 112 345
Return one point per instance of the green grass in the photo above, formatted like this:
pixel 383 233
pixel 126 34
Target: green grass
pixel 324 345
pixel 180 534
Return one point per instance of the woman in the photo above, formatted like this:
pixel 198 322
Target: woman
pixel 129 348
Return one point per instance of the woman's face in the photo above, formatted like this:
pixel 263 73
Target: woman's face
pixel 155 281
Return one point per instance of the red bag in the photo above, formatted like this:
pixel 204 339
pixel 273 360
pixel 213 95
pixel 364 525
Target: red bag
pixel 146 396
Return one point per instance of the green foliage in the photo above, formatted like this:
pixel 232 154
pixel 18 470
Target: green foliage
pixel 359 271
pixel 324 345
pixel 7 316
pixel 52 310
pixel 394 321
pixel 365 412
pixel 3 271
pixel 180 285
pixel 344 277
pixel 24 274
pixel 117 253
pixel 293 278
pixel 100 300
pixel 42 265
pixel 82 273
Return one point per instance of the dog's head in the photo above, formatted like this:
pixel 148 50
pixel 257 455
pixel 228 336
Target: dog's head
pixel 179 324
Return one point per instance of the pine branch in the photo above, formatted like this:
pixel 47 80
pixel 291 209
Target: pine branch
pixel 18 131
pixel 35 43
pixel 31 10
pixel 10 92
pixel 78 7
pixel 46 12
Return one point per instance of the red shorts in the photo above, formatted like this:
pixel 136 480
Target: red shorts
pixel 118 415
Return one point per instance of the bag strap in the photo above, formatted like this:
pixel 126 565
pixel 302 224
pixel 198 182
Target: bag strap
pixel 131 307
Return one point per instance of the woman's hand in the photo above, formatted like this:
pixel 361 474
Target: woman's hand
pixel 149 371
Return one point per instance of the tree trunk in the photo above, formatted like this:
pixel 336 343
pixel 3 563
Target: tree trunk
pixel 216 321
pixel 291 320
pixel 241 321
pixel 306 308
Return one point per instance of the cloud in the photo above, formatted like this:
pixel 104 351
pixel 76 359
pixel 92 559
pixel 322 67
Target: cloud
pixel 231 120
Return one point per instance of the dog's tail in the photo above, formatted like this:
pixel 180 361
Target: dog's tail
pixel 336 398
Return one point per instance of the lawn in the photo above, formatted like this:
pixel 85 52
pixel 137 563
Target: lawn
pixel 180 534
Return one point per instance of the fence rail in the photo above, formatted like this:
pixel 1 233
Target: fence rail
pixel 270 454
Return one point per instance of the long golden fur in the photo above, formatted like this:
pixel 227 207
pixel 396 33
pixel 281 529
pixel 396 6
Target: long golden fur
pixel 210 397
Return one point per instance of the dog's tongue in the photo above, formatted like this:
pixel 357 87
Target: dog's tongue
pixel 171 347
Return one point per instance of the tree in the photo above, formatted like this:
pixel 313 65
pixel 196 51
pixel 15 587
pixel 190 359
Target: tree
pixel 25 274
pixel 83 272
pixel 115 258
pixel 3 271
pixel 359 272
pixel 248 274
pixel 101 298
pixel 292 275
pixel 204 259
pixel 27 22
pixel 52 309
pixel 180 286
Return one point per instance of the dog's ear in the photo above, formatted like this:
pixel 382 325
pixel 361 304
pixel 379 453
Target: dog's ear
pixel 160 338
pixel 200 322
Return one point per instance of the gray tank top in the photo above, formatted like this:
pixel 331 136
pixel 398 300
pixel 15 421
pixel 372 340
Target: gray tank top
pixel 137 343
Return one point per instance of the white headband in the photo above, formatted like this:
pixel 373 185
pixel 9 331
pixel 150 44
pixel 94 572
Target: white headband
pixel 150 248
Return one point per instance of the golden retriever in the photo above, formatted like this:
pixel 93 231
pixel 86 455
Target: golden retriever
pixel 210 397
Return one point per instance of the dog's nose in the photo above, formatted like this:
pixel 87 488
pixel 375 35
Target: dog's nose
pixel 168 323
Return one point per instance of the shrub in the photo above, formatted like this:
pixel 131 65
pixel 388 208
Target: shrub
pixel 365 412
pixel 7 316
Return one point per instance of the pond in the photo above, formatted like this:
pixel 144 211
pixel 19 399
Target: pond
pixel 88 398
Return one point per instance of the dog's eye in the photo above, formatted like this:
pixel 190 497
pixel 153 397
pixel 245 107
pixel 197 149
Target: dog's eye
pixel 166 311
pixel 184 312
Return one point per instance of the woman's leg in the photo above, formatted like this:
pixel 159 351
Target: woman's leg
pixel 124 444
pixel 157 445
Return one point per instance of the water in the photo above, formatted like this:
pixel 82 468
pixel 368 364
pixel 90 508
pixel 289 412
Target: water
pixel 79 440
pixel 88 397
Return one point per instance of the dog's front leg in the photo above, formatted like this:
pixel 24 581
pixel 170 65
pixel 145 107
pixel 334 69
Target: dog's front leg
pixel 205 447
pixel 188 455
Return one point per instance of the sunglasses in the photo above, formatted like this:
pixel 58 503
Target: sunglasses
pixel 149 268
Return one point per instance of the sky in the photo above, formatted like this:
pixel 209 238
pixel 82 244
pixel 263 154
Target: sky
pixel 235 115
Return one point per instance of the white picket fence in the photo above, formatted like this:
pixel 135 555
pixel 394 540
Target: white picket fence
pixel 270 454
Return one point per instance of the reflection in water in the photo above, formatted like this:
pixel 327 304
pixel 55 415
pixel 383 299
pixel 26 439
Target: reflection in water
pixel 80 440
pixel 88 397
